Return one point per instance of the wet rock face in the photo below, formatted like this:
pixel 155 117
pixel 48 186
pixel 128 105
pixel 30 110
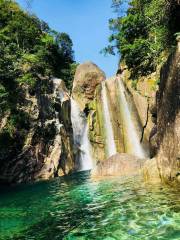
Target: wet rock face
pixel 118 118
pixel 166 139
pixel 86 79
pixel 97 128
pixel 150 171
pixel 47 149
pixel 120 164
pixel 143 95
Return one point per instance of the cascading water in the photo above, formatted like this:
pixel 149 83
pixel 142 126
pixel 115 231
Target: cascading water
pixel 86 159
pixel 110 143
pixel 60 95
pixel 130 132
pixel 81 140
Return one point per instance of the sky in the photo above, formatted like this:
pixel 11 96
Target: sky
pixel 86 22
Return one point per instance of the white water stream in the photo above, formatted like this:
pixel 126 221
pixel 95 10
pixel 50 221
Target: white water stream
pixel 80 135
pixel 130 132
pixel 110 143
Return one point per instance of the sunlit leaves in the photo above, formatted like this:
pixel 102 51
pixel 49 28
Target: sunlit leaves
pixel 143 33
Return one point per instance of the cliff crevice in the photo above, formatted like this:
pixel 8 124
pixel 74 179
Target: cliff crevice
pixel 47 148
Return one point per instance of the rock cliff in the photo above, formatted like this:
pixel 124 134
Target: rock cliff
pixel 159 112
pixel 118 119
pixel 86 79
pixel 97 128
pixel 143 93
pixel 87 93
pixel 166 138
pixel 46 150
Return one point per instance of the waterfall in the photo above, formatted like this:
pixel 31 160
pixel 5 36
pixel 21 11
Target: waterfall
pixel 110 143
pixel 130 131
pixel 58 93
pixel 80 136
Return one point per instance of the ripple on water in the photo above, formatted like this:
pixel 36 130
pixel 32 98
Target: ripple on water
pixel 76 207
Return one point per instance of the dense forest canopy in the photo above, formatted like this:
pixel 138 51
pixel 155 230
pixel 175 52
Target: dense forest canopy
pixel 31 53
pixel 145 35
pixel 29 49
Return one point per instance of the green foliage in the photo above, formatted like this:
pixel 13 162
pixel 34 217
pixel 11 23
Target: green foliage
pixel 6 142
pixel 3 99
pixel 29 46
pixel 13 135
pixel 65 44
pixel 29 49
pixel 18 120
pixel 134 84
pixel 31 53
pixel 143 33
pixel 28 79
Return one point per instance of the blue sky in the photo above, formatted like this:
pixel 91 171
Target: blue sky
pixel 86 21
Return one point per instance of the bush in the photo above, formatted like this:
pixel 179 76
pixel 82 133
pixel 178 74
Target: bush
pixel 144 33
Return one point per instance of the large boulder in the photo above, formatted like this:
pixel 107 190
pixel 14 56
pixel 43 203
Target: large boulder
pixel 87 77
pixel 127 165
pixel 120 164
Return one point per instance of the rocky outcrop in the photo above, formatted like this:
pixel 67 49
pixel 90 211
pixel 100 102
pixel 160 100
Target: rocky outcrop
pixel 118 119
pixel 150 171
pixel 97 128
pixel 120 164
pixel 166 132
pixel 86 92
pixel 143 93
pixel 127 165
pixel 159 113
pixel 115 112
pixel 46 151
pixel 86 79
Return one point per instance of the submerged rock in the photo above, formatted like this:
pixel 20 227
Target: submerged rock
pixel 87 77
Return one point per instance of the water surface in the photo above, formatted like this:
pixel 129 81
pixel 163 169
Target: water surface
pixel 77 207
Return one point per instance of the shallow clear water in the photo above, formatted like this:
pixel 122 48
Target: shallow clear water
pixel 77 207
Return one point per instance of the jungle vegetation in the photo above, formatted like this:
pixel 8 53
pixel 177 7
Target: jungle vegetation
pixel 31 53
pixel 144 33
